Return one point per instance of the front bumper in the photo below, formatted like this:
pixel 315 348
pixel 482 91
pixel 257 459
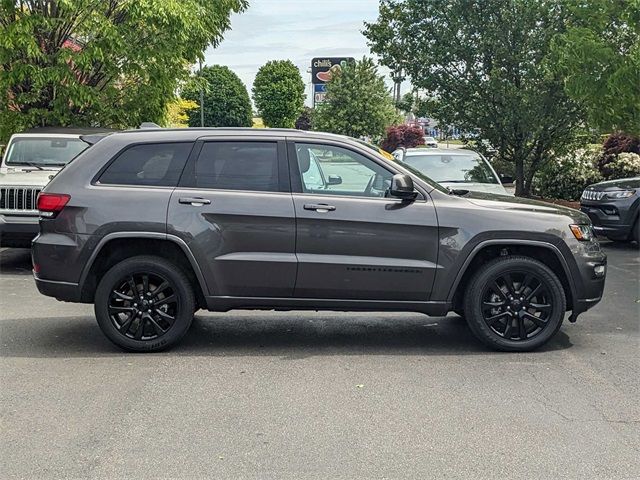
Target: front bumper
pixel 611 218
pixel 589 279
pixel 17 230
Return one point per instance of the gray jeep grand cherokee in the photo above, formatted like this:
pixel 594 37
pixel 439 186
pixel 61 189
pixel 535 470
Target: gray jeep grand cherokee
pixel 152 225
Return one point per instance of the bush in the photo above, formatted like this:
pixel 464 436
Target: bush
pixel 305 120
pixel 226 100
pixel 406 136
pixel 357 103
pixel 567 177
pixel 278 93
pixel 622 165
pixel 621 143
pixel 620 157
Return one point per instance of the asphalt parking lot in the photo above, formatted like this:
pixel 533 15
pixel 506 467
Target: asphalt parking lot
pixel 271 395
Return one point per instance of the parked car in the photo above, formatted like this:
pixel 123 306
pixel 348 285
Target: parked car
pixel 614 207
pixel 458 169
pixel 151 225
pixel 29 162
pixel 430 142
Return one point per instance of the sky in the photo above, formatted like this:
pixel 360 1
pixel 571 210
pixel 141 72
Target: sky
pixel 295 30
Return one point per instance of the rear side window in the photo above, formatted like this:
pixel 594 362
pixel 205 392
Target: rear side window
pixel 237 166
pixel 154 164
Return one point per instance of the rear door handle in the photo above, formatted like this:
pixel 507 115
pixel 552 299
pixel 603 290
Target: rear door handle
pixel 195 201
pixel 319 207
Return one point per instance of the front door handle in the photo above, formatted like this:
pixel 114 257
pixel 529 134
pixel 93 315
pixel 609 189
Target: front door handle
pixel 319 207
pixel 195 201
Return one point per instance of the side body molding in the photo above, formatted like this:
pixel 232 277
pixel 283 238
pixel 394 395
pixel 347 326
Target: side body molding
pixel 155 235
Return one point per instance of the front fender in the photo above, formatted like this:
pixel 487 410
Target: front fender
pixel 456 261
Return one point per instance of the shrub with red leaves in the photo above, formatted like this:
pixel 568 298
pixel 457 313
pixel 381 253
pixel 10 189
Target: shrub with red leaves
pixel 407 136
pixel 615 144
pixel 621 143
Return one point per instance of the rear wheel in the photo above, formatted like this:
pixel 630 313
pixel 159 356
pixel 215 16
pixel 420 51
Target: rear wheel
pixel 144 304
pixel 515 304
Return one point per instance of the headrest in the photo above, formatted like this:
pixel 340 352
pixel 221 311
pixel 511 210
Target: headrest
pixel 304 159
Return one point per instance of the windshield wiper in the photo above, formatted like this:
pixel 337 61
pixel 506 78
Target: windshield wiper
pixel 28 164
pixel 457 191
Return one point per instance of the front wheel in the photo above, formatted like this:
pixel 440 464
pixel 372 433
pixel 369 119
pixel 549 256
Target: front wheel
pixel 515 304
pixel 144 304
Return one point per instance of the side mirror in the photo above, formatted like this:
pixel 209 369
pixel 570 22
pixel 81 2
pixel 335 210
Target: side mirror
pixel 334 180
pixel 402 187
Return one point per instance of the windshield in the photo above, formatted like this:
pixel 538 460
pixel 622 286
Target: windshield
pixel 425 178
pixel 43 152
pixel 452 168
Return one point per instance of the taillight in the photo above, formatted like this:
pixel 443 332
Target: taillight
pixel 49 204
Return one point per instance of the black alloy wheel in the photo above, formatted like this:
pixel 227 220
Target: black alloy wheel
pixel 514 303
pixel 144 304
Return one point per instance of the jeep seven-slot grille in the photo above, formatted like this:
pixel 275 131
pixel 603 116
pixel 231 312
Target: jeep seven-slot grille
pixel 19 199
pixel 592 195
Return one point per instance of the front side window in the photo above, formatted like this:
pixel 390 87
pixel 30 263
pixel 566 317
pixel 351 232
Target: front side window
pixel 249 166
pixel 454 168
pixel 44 151
pixel 153 164
pixel 333 170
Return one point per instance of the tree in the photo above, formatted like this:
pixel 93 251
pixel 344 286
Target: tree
pixel 278 93
pixel 226 100
pixel 178 112
pixel 406 103
pixel 357 103
pixel 111 63
pixel 389 47
pixel 484 62
pixel 599 57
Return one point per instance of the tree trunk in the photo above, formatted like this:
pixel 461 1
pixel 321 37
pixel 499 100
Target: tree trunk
pixel 536 162
pixel 520 186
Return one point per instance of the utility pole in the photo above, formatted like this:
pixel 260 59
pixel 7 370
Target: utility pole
pixel 201 96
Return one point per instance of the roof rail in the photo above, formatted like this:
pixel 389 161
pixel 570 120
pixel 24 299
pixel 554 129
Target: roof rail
pixel 145 125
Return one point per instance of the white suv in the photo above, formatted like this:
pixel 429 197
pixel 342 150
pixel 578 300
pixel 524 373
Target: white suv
pixel 30 160
pixel 453 168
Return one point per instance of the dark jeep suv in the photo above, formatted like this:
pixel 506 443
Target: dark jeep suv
pixel 614 208
pixel 152 225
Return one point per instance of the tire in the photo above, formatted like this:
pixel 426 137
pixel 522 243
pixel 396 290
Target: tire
pixel 156 322
pixel 528 321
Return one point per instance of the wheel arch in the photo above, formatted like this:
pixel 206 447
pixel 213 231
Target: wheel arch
pixel 484 251
pixel 118 246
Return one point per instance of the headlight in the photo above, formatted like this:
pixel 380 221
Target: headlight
pixel 617 194
pixel 584 233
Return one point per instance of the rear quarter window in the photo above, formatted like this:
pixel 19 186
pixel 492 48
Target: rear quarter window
pixel 150 164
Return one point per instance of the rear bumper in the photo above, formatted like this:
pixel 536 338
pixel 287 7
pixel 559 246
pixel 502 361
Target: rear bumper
pixel 64 291
pixel 17 231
